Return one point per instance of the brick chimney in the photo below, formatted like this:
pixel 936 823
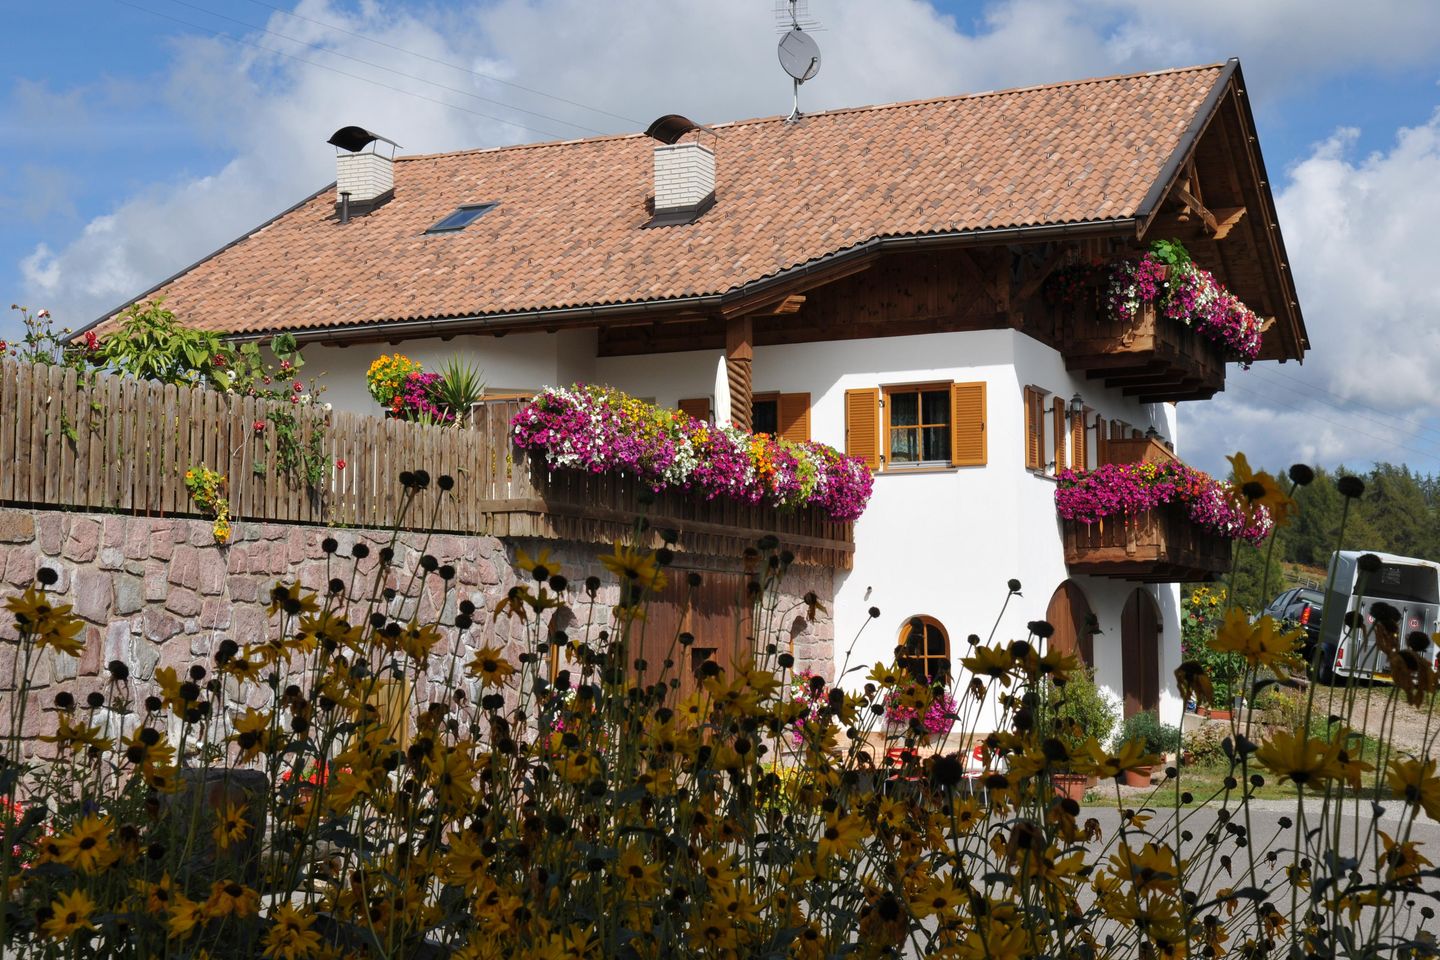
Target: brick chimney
pixel 684 176
pixel 364 177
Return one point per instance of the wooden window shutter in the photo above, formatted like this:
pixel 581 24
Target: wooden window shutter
pixel 1057 416
pixel 862 425
pixel 793 414
pixel 697 407
pixel 1079 447
pixel 1034 429
pixel 967 424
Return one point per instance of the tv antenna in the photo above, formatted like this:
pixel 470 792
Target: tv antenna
pixel 799 53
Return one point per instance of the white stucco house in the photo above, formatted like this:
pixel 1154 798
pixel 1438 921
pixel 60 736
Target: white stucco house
pixel 872 278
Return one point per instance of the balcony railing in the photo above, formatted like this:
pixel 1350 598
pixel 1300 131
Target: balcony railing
pixel 1162 545
pixel 1148 357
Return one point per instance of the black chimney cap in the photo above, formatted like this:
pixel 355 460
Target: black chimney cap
pixel 355 139
pixel 671 127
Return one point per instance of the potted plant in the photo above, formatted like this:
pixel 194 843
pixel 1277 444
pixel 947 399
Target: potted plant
pixel 1074 712
pixel 1155 737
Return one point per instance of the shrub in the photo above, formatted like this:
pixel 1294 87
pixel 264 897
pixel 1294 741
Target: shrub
pixel 1145 728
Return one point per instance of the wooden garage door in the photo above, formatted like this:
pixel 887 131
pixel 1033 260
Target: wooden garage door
pixel 1069 613
pixel 1140 650
pixel 714 612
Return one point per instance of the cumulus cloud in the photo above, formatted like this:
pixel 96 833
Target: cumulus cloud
pixel 1359 232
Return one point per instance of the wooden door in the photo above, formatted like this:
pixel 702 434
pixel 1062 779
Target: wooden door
pixel 1069 613
pixel 715 613
pixel 1140 650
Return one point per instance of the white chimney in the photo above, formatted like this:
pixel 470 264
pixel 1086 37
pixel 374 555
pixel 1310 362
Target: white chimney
pixel 364 177
pixel 684 176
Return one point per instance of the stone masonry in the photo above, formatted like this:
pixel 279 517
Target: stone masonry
pixel 161 592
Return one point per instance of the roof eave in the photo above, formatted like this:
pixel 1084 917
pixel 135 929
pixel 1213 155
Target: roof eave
pixel 597 314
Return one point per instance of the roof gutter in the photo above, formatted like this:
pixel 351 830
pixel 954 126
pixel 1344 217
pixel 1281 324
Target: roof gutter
pixel 479 322
pixel 1151 204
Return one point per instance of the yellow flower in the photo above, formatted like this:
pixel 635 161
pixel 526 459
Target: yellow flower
pixel 636 565
pixel 1302 759
pixel 638 876
pixel 1414 782
pixel 290 936
pixel 1251 490
pixel 841 835
pixel 77 735
pixel 541 567
pixel 291 600
pixel 86 847
pixel 185 915
pixel 49 626
pixel 69 914
pixel 230 826
pixel 990 662
pixel 227 897
pixel 1259 643
pixel 490 667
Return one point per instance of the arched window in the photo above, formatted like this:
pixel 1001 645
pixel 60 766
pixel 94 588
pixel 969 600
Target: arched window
pixel 923 649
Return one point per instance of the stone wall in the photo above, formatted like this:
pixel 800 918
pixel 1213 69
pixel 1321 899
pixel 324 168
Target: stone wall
pixel 158 593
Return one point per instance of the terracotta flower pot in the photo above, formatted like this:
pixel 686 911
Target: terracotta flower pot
pixel 1214 714
pixel 1138 777
pixel 1071 786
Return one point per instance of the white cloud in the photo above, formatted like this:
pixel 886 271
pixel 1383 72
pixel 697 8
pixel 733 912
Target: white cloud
pixel 1360 237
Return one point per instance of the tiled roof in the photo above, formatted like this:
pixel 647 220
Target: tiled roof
pixel 567 230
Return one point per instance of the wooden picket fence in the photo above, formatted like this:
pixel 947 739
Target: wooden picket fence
pixel 108 443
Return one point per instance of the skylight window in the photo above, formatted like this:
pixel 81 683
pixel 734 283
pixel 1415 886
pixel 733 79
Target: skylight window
pixel 462 218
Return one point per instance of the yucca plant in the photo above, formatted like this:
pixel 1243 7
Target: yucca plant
pixel 460 387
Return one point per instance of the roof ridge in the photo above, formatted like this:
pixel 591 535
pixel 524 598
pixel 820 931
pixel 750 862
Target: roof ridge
pixel 838 111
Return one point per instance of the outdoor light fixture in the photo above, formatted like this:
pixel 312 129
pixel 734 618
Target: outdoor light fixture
pixel 1077 411
pixel 1152 433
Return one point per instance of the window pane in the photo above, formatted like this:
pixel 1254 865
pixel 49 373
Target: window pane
pixel 905 445
pixel 765 417
pixel 904 409
pixel 935 407
pixel 934 642
pixel 937 443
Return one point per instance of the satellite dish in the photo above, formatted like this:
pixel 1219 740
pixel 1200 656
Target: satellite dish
pixel 799 54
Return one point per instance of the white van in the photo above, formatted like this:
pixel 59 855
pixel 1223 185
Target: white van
pixel 1409 585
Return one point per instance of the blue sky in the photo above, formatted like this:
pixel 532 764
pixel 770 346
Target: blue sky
pixel 141 134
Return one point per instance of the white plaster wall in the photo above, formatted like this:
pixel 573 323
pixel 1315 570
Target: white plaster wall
pixel 941 543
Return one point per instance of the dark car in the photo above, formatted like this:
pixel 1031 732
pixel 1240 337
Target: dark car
pixel 1300 606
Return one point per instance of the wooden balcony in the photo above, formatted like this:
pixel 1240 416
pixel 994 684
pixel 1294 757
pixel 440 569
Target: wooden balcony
pixel 1144 450
pixel 1148 357
pixel 1159 546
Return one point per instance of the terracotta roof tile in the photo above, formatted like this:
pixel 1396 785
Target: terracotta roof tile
pixel 567 230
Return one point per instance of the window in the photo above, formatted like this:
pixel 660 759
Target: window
pixel 462 218
pixel 765 414
pixel 923 650
pixel 916 425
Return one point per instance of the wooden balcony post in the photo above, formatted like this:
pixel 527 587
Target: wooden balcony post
pixel 739 352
